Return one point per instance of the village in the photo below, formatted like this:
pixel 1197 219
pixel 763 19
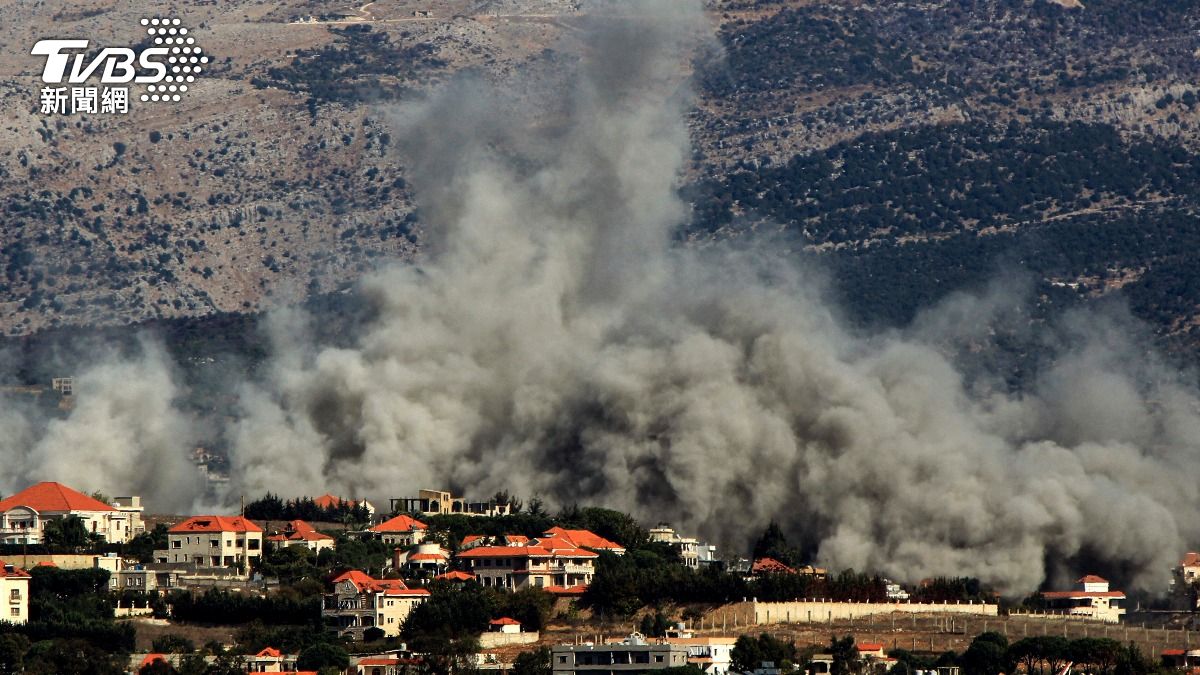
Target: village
pixel 442 584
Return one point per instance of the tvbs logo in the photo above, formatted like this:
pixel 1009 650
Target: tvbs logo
pixel 166 67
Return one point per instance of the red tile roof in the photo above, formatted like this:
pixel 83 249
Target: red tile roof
pixel 770 565
pixel 505 621
pixel 270 652
pixel 302 531
pixel 427 556
pixel 585 539
pixel 869 646
pixel 215 524
pixel 1091 579
pixel 52 497
pixel 456 575
pixel 17 571
pixel 1190 559
pixel 365 583
pixel 401 523
pixel 562 590
pixel 534 551
pixel 151 658
pixel 470 539
pixel 1173 652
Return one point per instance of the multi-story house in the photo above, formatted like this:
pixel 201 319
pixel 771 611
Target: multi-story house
pixel 632 655
pixel 23 516
pixel 586 539
pixel 215 541
pixel 423 561
pixel 712 655
pixel 300 533
pixel 552 563
pixel 442 503
pixel 14 589
pixel 692 552
pixel 1090 599
pixel 359 602
pixel 403 530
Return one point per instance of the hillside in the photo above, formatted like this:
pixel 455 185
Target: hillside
pixel 909 148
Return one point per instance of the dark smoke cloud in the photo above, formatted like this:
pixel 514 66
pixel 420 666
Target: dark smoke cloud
pixel 555 342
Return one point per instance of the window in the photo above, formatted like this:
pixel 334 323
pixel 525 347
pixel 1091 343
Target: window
pixel 15 611
pixel 15 594
pixel 562 659
pixel 175 543
pixel 253 544
pixel 214 543
pixel 658 659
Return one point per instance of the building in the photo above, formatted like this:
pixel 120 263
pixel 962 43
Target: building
pixel 551 563
pixel 23 516
pixel 215 541
pixel 586 539
pixel 712 655
pixel 1091 599
pixel 895 591
pixel 1185 589
pixel 403 530
pixel 631 655
pixel 442 503
pixel 423 561
pixel 328 501
pixel 270 660
pixel 692 553
pixel 359 602
pixel 300 533
pixel 14 588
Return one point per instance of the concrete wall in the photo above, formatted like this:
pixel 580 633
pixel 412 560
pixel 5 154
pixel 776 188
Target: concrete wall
pixel 755 613
pixel 490 640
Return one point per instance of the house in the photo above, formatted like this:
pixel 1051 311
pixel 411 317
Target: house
pixel 329 502
pixel 712 655
pixel 1185 589
pixel 632 654
pixel 215 541
pixel 14 586
pixel 403 530
pixel 770 566
pixel 1091 599
pixel 586 539
pixel 473 540
pixel 551 563
pixel 1181 659
pixel 270 660
pixel 692 553
pixel 442 503
pixel 504 624
pixel 423 561
pixel 455 577
pixel 359 602
pixel 300 533
pixel 23 516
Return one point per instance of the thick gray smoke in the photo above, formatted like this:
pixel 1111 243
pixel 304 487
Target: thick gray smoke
pixel 124 437
pixel 555 342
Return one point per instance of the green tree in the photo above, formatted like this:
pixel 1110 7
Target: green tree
pixel 323 655
pixel 750 652
pixel 987 655
pixel 845 655
pixel 536 662
pixel 12 652
pixel 68 532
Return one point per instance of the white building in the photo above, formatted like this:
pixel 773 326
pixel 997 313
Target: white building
pixel 14 588
pixel 692 553
pixel 552 563
pixel 423 561
pixel 403 530
pixel 633 654
pixel 215 541
pixel 712 655
pixel 1090 599
pixel 359 602
pixel 23 516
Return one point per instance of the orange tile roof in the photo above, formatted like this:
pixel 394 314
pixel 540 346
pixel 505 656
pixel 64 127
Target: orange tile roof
pixel 151 658
pixel 215 524
pixel 534 551
pixel 470 539
pixel 1091 579
pixel 271 652
pixel 456 575
pixel 765 565
pixel 364 582
pixel 514 539
pixel 563 590
pixel 585 539
pixel 17 571
pixel 401 523
pixel 50 496
pixel 427 556
pixel 302 531
pixel 869 646
pixel 505 621
pixel 1190 559
pixel 1173 652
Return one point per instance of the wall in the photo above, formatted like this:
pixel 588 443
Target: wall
pixel 815 611
pixel 489 640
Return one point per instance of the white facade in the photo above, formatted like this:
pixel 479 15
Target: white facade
pixel 359 602
pixel 712 655
pixel 543 563
pixel 14 589
pixel 23 516
pixel 215 541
